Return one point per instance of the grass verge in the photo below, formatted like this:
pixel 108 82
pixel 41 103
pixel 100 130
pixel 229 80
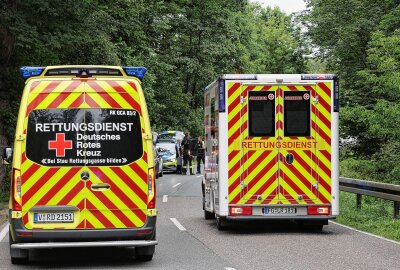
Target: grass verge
pixel 375 215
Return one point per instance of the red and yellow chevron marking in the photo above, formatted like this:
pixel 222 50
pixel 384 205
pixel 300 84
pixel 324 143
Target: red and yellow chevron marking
pixel 124 205
pixel 262 177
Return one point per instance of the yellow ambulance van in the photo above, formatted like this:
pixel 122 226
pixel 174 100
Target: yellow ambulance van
pixel 82 162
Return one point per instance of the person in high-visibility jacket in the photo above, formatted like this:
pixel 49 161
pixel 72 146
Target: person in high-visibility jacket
pixel 187 158
pixel 199 153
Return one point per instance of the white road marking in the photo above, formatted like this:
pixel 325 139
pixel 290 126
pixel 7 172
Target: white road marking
pixel 177 224
pixel 165 198
pixel 199 176
pixel 229 268
pixel 177 185
pixel 370 234
pixel 4 232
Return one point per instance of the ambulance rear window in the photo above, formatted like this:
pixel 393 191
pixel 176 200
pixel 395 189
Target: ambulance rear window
pixel 77 137
pixel 296 113
pixel 261 114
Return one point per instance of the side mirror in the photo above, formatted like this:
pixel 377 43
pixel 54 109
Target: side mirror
pixel 7 155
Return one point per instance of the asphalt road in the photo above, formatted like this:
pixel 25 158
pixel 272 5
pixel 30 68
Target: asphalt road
pixel 187 241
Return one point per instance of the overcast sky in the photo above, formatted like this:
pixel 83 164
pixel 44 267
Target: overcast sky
pixel 287 6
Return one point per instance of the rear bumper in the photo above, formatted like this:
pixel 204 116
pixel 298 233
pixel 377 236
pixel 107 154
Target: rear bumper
pixel 296 218
pixel 93 237
pixel 126 243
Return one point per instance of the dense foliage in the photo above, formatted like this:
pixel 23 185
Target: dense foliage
pixel 360 40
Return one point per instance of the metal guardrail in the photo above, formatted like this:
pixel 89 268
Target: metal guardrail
pixel 380 190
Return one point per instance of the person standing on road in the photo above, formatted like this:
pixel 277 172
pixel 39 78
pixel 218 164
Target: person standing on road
pixel 187 158
pixel 178 151
pixel 200 151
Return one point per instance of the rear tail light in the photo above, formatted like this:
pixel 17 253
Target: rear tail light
pixel 16 190
pixel 151 193
pixel 319 210
pixel 240 211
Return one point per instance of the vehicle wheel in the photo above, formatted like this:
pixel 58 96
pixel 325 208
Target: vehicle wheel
pixel 18 256
pixel 144 254
pixel 221 223
pixel 208 215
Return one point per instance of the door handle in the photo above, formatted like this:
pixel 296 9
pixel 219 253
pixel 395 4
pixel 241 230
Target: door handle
pixel 100 186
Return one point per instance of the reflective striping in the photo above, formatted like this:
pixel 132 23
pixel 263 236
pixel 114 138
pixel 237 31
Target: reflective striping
pixel 124 205
pixel 260 171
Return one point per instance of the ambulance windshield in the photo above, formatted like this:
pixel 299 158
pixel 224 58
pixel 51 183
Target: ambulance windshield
pixel 77 137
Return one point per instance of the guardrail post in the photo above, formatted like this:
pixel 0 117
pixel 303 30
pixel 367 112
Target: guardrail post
pixel 359 201
pixel 396 209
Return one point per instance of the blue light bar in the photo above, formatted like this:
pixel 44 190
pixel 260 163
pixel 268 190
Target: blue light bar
pixel 138 72
pixel 28 72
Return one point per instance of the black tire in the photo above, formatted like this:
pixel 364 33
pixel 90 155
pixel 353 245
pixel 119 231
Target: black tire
pixel 18 256
pixel 221 223
pixel 144 254
pixel 208 215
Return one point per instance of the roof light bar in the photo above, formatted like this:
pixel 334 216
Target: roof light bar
pixel 28 72
pixel 318 76
pixel 138 72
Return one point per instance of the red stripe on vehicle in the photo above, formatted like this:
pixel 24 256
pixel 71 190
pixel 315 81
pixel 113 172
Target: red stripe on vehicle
pixel 88 225
pixel 59 185
pixel 139 171
pixel 233 88
pixel 29 172
pixel 91 102
pixel 72 193
pixel 78 101
pixel 117 191
pixel 130 182
pixel 27 195
pixel 233 104
pixel 102 92
pixel 293 185
pixel 321 133
pixel 40 96
pixel 261 174
pixel 64 95
pixel 300 176
pixel 111 206
pixel 99 215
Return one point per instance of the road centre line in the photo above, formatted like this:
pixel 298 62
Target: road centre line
pixel 177 224
pixel 165 198
pixel 177 185
pixel 370 234
pixel 4 232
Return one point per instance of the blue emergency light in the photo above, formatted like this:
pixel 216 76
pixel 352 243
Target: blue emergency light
pixel 138 72
pixel 28 72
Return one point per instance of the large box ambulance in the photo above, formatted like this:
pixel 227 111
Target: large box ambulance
pixel 82 165
pixel 272 148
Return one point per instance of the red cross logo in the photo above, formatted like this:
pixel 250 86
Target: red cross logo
pixel 60 144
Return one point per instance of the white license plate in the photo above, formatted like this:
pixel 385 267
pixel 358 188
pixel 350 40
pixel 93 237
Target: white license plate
pixel 279 210
pixel 53 217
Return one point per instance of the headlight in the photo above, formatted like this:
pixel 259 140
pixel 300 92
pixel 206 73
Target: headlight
pixel 171 159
